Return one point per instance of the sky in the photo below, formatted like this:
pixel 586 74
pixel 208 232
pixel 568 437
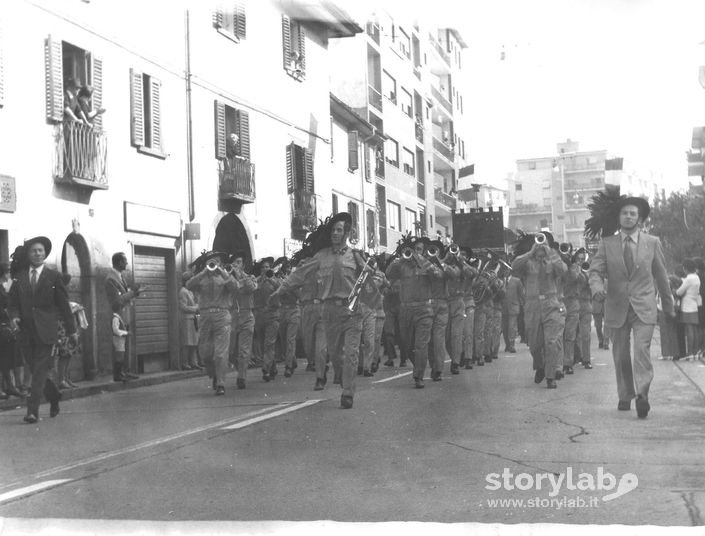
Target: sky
pixel 620 75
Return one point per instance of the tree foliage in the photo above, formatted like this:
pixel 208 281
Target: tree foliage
pixel 679 222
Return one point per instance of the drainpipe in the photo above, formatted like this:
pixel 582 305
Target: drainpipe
pixel 189 136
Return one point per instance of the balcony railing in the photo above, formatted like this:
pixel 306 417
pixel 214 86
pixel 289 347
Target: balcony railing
pixel 441 52
pixel 421 190
pixel 303 211
pixel 418 127
pixel 530 208
pixel 237 179
pixel 81 155
pixel 442 99
pixel 443 149
pixel 375 98
pixel 444 198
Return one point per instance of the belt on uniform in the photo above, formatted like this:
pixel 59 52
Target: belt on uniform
pixel 336 301
pixel 315 301
pixel 213 309
pixel 542 296
pixel 415 303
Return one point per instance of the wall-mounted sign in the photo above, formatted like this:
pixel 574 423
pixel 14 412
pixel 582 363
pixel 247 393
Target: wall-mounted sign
pixel 152 220
pixel 8 194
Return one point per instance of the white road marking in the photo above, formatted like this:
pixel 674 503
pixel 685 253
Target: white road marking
pixel 254 420
pixel 403 374
pixel 29 490
pixel 134 448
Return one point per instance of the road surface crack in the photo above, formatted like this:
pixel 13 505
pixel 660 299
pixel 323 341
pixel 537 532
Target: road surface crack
pixel 494 454
pixel 693 510
pixel 582 429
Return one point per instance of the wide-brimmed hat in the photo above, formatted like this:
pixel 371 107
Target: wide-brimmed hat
pixel 270 260
pixel 42 240
pixel 345 217
pixel 604 212
pixel 639 202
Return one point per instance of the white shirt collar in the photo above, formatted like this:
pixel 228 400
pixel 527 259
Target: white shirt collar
pixel 38 268
pixel 634 236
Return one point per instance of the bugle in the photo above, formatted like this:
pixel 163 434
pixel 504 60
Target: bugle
pixel 540 239
pixel 407 253
pixel 354 296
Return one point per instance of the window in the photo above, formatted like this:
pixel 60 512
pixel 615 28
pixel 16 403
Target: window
pixel 410 221
pixel 389 87
pixel 394 216
pixel 294 48
pixel 334 204
pixel 407 102
pixel 532 165
pixel 371 242
pixel 232 132
pixel 353 150
pixel 517 187
pixel 404 43
pixel 354 211
pixel 146 113
pixel 408 157
pixel 299 168
pixel 543 223
pixel 391 152
pixel 381 206
pixel 231 23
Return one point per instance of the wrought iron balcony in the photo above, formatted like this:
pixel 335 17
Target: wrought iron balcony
pixel 237 179
pixel 444 198
pixel 81 153
pixel 443 149
pixel 303 211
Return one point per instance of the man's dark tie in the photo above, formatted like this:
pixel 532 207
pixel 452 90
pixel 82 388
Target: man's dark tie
pixel 628 255
pixel 33 279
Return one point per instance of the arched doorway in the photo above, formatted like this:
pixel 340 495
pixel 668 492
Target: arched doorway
pixel 231 236
pixel 75 261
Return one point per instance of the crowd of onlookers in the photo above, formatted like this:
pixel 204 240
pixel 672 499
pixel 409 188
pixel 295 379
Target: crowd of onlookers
pixel 683 337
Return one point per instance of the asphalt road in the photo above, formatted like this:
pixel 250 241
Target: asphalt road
pixel 448 453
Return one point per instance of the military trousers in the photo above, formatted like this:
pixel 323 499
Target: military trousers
pixel 289 320
pixel 214 343
pixel 241 333
pixel 266 331
pixel 415 322
pixel 367 347
pixel 379 329
pixel 482 311
pixel 314 336
pixel 439 328
pixel 509 329
pixel 469 329
pixel 544 320
pixel 493 331
pixel 456 327
pixel 343 330
pixel 570 334
pixel 584 329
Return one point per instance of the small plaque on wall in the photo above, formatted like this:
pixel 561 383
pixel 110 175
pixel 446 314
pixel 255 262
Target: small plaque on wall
pixel 8 194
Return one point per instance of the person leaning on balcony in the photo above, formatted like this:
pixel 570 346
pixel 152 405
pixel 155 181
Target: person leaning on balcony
pixel 72 106
pixel 85 103
pixel 118 292
pixel 215 288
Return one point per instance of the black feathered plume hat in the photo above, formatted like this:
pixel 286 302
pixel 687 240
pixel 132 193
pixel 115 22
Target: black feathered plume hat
pixel 604 212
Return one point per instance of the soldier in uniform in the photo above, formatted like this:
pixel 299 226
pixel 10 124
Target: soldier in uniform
pixel 573 278
pixel 390 302
pixel 266 316
pixel 338 268
pixel 493 325
pixel 290 318
pixel 603 334
pixel 314 334
pixel 483 311
pixel 541 268
pixel 243 318
pixel 469 275
pixel 370 299
pixel 585 309
pixel 456 307
pixel 215 288
pixel 415 313
pixel 511 305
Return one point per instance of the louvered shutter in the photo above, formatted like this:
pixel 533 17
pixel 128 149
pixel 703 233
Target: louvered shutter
pixel 290 160
pixel 243 126
pixel 240 26
pixel 155 86
pixel 53 64
pixel 97 84
pixel 286 41
pixel 302 48
pixel 136 109
pixel 218 17
pixel 2 74
pixel 220 151
pixel 308 170
pixel 354 216
pixel 353 153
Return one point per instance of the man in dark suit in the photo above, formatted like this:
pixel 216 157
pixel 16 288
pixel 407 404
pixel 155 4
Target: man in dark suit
pixel 633 264
pixel 37 301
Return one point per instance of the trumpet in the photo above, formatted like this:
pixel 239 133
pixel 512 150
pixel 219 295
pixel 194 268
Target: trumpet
pixel 228 268
pixel 433 252
pixel 354 296
pixel 454 249
pixel 540 239
pixel 212 266
pixel 407 253
pixel 565 248
pixel 274 271
pixel 585 266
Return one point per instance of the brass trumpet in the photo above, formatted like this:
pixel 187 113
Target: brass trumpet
pixel 432 251
pixel 212 266
pixel 407 253
pixel 540 239
pixel 454 249
pixel 228 268
pixel 565 248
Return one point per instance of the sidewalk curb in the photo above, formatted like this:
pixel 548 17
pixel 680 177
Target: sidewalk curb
pixel 107 385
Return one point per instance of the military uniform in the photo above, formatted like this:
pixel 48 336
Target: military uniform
pixel 469 275
pixel 370 301
pixel 493 325
pixel 439 328
pixel 313 331
pixel 242 328
pixel 267 317
pixel 571 280
pixel 390 302
pixel 543 312
pixel 511 306
pixel 585 321
pixel 603 336
pixel 289 320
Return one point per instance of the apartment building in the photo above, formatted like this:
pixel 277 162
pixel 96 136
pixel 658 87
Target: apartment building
pixel 215 134
pixel 402 77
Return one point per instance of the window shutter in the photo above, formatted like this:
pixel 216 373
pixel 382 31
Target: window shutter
pixel 290 159
pixel 219 129
pixel 218 16
pixel 302 48
pixel 243 124
pixel 286 41
pixel 353 153
pixel 308 170
pixel 53 64
pixel 136 108
pixel 335 204
pixel 97 84
pixel 154 93
pixel 240 20
pixel 353 210
pixel 2 74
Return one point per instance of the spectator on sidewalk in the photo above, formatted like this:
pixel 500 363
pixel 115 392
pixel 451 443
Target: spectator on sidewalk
pixel 188 318
pixel 667 324
pixel 689 292
pixel 7 337
pixel 700 267
pixel 120 332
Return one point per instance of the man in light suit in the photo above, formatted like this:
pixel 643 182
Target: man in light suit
pixel 37 301
pixel 632 262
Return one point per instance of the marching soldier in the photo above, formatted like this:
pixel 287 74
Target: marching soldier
pixel 513 300
pixel 314 334
pixel 266 316
pixel 391 304
pixel 338 268
pixel 572 280
pixel 469 275
pixel 243 318
pixel 414 273
pixel 370 299
pixel 541 268
pixel 456 307
pixel 493 325
pixel 585 309
pixel 290 318
pixel 483 311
